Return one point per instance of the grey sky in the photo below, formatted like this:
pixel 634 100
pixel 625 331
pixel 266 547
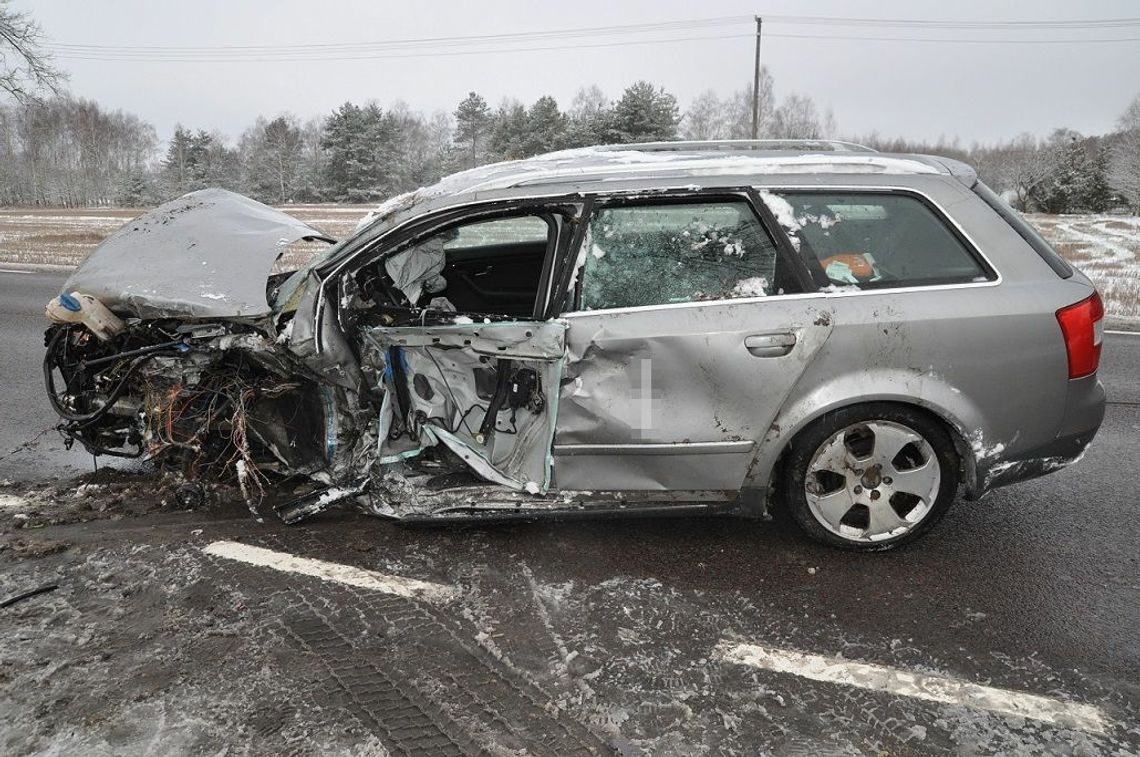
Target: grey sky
pixel 985 91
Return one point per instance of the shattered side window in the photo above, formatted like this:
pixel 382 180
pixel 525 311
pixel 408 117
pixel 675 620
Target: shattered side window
pixel 670 253
pixel 873 240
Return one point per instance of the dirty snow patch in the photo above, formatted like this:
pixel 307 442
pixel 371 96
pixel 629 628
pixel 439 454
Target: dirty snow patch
pixel 330 571
pixel 13 502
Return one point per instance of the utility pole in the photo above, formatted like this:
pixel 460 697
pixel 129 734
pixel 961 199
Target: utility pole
pixel 756 85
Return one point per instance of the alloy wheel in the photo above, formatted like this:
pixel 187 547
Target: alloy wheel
pixel 872 481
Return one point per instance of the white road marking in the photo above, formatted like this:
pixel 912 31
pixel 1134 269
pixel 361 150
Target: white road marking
pixel 15 270
pixel 920 686
pixel 1122 333
pixel 331 571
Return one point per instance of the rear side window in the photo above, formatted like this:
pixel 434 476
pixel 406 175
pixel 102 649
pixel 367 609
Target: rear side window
pixel 873 240
pixel 1059 265
pixel 637 255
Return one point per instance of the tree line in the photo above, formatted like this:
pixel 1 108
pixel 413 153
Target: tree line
pixel 65 151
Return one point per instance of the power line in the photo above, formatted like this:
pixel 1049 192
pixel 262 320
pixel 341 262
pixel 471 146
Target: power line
pixel 426 41
pixel 454 46
pixel 1103 23
pixel 967 41
pixel 452 53
pixel 425 54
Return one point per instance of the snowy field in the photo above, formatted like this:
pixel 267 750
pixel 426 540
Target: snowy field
pixel 62 238
pixel 1105 247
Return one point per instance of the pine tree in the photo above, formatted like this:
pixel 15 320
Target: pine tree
pixel 380 146
pixel 177 165
pixel 216 165
pixel 545 127
pixel 508 134
pixel 472 122
pixel 645 114
pixel 350 152
pixel 1097 192
pixel 1076 180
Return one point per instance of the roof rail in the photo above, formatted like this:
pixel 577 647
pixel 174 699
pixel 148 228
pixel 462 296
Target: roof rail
pixel 819 145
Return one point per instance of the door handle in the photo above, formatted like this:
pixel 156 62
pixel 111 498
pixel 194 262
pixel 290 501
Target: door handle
pixel 770 345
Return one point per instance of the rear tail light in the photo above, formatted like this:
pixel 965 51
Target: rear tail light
pixel 1083 327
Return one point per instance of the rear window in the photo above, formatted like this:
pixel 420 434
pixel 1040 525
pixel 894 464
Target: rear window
pixel 1027 232
pixel 873 240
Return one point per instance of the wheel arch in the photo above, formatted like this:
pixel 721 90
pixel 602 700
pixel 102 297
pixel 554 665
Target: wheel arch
pixel 949 407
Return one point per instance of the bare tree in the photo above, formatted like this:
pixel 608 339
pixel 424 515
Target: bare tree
pixel 70 152
pixel 590 117
pixel 1124 156
pixel 589 102
pixel 271 153
pixel 739 107
pixel 706 118
pixel 1020 168
pixel 797 118
pixel 25 67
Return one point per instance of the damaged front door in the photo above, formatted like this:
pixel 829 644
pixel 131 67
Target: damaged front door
pixel 681 346
pixel 450 345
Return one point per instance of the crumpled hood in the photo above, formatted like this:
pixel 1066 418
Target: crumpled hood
pixel 207 254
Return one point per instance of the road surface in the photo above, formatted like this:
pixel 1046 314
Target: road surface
pixel 676 635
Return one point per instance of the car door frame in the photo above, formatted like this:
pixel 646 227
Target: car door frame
pixel 391 241
pixel 567 298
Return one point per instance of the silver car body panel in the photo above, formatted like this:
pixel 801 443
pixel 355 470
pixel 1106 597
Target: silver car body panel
pixel 206 254
pixel 673 399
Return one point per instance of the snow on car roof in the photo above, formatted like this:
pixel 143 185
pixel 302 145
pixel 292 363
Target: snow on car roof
pixel 692 162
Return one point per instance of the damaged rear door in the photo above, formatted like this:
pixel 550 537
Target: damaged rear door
pixel 684 337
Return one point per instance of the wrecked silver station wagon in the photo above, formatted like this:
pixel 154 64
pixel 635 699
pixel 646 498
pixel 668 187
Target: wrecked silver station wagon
pixel 665 328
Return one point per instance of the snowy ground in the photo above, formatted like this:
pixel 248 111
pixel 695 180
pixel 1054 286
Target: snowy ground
pixel 1105 247
pixel 61 237
pixel 158 638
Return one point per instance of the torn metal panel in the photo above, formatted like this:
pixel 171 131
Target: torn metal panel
pixel 532 340
pixel 487 392
pixel 206 254
pixel 414 496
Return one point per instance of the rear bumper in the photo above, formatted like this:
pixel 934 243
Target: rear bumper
pixel 1084 411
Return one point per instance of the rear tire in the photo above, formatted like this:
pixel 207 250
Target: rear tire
pixel 870 477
